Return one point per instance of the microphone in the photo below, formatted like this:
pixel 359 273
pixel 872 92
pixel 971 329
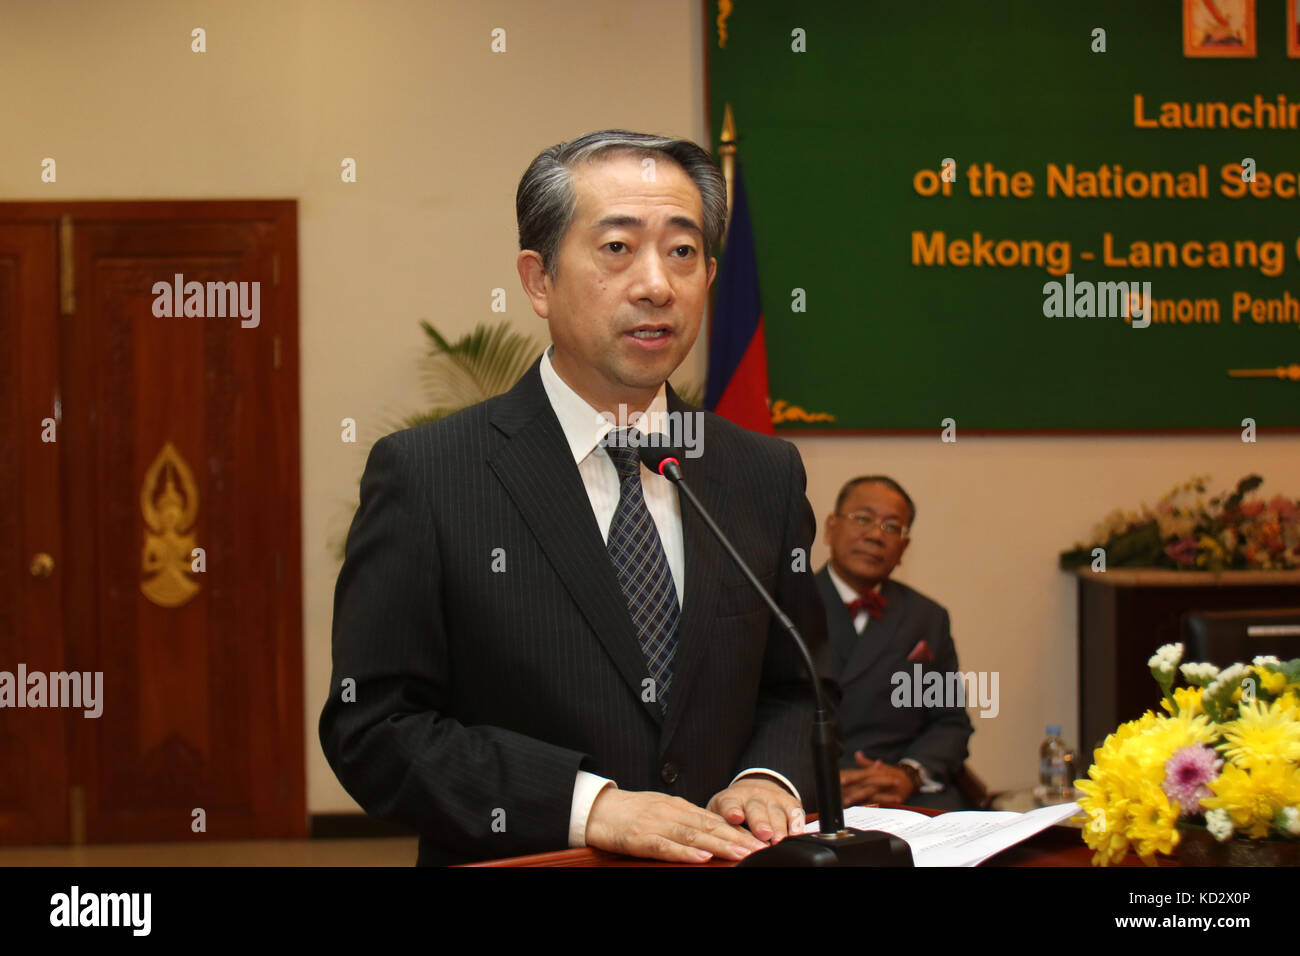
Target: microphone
pixel 833 844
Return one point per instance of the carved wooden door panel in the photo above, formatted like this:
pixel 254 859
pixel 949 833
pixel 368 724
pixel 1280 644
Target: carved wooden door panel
pixel 178 453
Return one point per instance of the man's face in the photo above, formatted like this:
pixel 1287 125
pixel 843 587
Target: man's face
pixel 863 554
pixel 632 281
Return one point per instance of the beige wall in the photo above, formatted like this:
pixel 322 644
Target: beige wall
pixel 441 129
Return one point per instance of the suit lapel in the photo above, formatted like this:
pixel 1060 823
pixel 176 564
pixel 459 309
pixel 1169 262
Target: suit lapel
pixel 538 472
pixel 704 565
pixel 839 625
pixel 880 635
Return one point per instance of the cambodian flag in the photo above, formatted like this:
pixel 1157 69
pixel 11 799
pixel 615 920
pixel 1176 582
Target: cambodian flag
pixel 736 386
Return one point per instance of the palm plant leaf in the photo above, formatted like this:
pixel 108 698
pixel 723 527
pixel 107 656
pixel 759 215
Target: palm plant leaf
pixel 477 366
pixel 482 363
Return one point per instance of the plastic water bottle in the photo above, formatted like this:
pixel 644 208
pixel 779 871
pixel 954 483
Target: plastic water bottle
pixel 1054 766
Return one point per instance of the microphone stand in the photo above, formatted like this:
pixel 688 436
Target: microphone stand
pixel 833 844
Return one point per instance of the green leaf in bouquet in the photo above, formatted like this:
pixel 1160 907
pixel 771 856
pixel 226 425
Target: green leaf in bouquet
pixel 1137 547
pixel 1244 487
pixel 1216 700
pixel 1075 558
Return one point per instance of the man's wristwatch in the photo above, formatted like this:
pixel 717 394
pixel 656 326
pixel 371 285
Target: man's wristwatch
pixel 913 775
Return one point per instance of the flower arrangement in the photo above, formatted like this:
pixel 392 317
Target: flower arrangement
pixel 1230 531
pixel 1225 754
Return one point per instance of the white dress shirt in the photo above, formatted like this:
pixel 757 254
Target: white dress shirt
pixel 584 427
pixel 849 594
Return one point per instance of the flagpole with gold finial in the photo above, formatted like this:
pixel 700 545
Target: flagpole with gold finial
pixel 727 150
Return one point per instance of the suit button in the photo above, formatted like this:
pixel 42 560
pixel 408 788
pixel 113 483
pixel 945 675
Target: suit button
pixel 669 773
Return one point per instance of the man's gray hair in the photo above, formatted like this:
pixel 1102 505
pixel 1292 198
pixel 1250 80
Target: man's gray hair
pixel 546 200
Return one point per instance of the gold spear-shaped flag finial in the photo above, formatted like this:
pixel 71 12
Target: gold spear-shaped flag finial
pixel 727 150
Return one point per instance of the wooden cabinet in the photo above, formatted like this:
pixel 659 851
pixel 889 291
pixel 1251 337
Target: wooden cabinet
pixel 1127 613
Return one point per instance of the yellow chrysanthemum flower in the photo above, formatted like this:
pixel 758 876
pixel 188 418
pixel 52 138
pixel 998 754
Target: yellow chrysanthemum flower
pixel 1253 798
pixel 1188 700
pixel 1263 733
pixel 1153 824
pixel 1184 729
pixel 1123 799
pixel 1106 811
pixel 1163 736
pixel 1271 682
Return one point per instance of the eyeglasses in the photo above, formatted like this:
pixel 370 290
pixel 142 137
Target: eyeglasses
pixel 865 519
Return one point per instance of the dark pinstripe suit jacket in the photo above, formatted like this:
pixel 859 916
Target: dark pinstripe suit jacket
pixel 935 737
pixel 493 654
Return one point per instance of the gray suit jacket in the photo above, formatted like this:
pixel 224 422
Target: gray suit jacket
pixel 864 666
pixel 493 654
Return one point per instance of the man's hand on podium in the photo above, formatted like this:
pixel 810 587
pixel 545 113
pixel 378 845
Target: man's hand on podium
pixel 660 827
pixel 769 810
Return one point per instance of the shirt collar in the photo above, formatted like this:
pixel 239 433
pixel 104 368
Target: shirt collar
pixel 846 589
pixel 583 426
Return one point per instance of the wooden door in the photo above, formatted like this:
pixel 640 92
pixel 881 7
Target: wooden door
pixel 34 757
pixel 179 509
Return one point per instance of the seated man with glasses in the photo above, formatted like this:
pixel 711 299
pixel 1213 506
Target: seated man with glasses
pixel 880 630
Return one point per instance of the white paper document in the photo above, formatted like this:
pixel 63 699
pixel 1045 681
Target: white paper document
pixel 961 838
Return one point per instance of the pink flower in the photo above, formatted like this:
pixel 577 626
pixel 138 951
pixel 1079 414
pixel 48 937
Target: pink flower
pixel 1284 508
pixel 1252 508
pixel 1186 774
pixel 1182 551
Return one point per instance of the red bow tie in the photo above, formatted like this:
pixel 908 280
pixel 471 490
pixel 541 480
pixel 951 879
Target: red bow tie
pixel 871 602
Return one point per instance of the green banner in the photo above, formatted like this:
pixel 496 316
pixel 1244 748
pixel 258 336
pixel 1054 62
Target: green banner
pixel 1021 215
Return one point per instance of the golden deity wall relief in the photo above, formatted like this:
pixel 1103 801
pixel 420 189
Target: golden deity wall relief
pixel 169 514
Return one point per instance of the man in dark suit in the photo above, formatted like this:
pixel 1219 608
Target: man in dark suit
pixel 536 645
pixel 896 748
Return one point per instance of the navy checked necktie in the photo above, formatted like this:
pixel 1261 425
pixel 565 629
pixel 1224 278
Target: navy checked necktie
pixel 642 568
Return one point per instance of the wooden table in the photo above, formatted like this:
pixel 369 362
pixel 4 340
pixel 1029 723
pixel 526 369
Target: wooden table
pixel 1055 846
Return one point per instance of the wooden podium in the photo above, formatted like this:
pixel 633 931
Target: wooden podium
pixel 1055 846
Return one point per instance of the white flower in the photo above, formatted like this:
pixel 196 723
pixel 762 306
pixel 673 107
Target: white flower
pixel 1263 659
pixel 1233 673
pixel 1219 823
pixel 1290 820
pixel 1166 659
pixel 1199 674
